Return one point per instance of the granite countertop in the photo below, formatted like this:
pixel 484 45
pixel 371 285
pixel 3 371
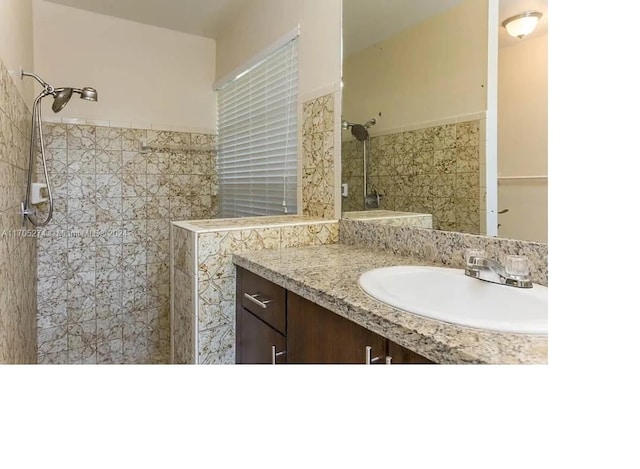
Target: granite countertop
pixel 328 275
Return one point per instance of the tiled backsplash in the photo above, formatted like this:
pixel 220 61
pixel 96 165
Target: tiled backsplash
pixel 445 248
pixel 432 170
pixel 103 268
pixel 17 252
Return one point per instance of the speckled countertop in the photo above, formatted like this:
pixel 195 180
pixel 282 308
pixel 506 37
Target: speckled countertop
pixel 328 275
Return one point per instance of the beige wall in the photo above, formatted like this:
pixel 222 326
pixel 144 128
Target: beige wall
pixel 16 42
pixel 143 74
pixel 263 22
pixel 431 71
pixel 522 138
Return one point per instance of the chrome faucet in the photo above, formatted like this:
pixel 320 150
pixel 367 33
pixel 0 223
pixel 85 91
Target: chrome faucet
pixel 516 274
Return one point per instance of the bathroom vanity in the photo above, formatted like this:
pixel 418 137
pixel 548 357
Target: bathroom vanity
pixel 313 311
pixel 305 272
pixel 275 326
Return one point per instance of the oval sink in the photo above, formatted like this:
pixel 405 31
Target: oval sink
pixel 449 295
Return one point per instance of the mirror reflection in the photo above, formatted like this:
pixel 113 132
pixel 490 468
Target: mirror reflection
pixel 414 116
pixel 522 126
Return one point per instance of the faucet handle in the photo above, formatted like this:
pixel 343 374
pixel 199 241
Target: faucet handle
pixel 471 253
pixel 517 265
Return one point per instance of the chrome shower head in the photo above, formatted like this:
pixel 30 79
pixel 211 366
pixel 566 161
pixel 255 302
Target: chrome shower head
pixel 360 132
pixel 61 97
pixel 90 94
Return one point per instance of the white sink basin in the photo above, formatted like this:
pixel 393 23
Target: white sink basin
pixel 449 295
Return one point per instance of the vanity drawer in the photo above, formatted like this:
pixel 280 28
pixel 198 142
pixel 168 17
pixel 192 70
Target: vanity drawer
pixel 264 299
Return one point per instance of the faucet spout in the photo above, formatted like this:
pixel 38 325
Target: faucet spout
pixel 492 271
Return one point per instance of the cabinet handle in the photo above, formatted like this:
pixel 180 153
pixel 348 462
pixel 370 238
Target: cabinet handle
pixel 262 304
pixel 275 354
pixel 367 356
pixel 387 360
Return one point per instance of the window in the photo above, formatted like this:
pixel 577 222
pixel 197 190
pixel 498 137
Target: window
pixel 258 138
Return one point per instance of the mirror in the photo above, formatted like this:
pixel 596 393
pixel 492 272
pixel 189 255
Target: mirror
pixel 414 115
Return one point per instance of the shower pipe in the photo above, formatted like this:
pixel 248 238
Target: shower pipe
pixel 361 133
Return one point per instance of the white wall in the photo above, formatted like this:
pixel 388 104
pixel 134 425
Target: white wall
pixel 263 22
pixel 16 43
pixel 522 138
pixel 143 74
pixel 434 70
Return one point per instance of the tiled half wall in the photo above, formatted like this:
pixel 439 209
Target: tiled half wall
pixel 17 252
pixel 432 170
pixel 103 265
pixel 204 280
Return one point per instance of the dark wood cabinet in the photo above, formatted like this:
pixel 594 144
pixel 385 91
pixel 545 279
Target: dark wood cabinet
pixel 255 340
pixel 276 326
pixel 261 320
pixel 399 355
pixel 316 335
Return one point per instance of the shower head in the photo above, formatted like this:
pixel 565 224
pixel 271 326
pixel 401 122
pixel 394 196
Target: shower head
pixel 61 97
pixel 359 132
pixel 90 94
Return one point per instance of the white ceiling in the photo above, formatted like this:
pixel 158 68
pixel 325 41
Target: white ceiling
pixel 365 22
pixel 206 18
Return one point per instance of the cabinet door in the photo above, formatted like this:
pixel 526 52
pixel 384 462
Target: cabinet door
pixel 255 340
pixel 264 299
pixel 316 335
pixel 401 355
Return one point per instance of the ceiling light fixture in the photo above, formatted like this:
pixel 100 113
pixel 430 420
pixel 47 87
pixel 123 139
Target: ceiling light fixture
pixel 521 25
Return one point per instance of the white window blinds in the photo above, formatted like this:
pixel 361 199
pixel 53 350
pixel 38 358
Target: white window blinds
pixel 257 131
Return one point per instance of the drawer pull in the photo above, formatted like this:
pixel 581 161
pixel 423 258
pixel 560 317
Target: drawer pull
pixel 275 354
pixel 262 304
pixel 367 356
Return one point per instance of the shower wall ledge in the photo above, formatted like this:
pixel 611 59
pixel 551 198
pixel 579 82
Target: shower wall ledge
pixel 248 223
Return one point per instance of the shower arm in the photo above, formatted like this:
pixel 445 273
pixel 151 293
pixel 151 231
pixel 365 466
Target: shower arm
pixel 45 85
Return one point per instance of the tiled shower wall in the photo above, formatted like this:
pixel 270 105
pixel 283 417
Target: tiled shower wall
pixel 318 157
pixel 17 252
pixel 103 261
pixel 432 170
